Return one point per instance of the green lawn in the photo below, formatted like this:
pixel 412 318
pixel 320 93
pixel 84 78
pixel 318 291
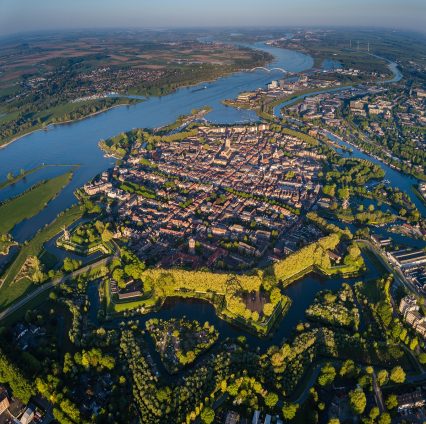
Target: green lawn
pixel 31 202
pixel 10 290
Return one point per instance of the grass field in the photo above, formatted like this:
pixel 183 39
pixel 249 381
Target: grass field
pixel 11 290
pixel 31 202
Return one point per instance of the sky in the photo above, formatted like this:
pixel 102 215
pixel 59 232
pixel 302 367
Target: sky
pixel 32 15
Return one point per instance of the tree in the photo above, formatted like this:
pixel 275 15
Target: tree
pixel 268 308
pixel 413 344
pixel 106 235
pixel 118 275
pixel 9 373
pixel 382 377
pixel 343 193
pixel 329 190
pixel 385 418
pixel 357 400
pixel 397 374
pixel 271 399
pixel 422 358
pixel 374 412
pixel 328 373
pixel 354 251
pixel 348 368
pixel 207 415
pixel 289 410
pixel 391 402
pixel 71 264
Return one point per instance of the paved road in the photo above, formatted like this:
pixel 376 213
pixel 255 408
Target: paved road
pixel 378 394
pixel 47 286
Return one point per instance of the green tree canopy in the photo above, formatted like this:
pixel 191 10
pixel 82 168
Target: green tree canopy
pixel 357 400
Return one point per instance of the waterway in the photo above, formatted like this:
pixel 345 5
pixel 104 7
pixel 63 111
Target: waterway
pixel 77 143
pixel 396 179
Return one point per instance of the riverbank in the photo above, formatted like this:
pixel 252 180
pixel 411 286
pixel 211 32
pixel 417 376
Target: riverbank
pixel 418 194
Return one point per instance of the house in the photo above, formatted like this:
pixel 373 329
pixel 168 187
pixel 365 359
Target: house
pixel 410 311
pixel 256 417
pixel 4 400
pixel 28 415
pixel 413 317
pixel 232 418
pixel 381 240
pixel 421 328
pixel 412 400
pixel 408 303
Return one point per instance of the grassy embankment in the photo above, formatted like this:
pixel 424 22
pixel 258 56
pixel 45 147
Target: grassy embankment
pixel 418 194
pixel 31 201
pixel 11 290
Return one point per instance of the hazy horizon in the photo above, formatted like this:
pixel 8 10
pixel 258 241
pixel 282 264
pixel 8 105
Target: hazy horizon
pixel 17 16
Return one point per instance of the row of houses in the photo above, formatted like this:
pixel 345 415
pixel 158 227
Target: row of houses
pixel 411 314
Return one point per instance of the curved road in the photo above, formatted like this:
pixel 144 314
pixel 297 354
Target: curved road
pixel 47 286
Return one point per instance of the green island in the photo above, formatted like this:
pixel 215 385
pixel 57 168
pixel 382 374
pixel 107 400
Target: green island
pixel 13 179
pixel 335 308
pixel 31 202
pixel 180 342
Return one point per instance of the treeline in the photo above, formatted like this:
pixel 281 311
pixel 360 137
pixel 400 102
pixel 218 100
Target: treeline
pixel 183 402
pixel 328 226
pixel 12 375
pixel 312 255
pixel 337 309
